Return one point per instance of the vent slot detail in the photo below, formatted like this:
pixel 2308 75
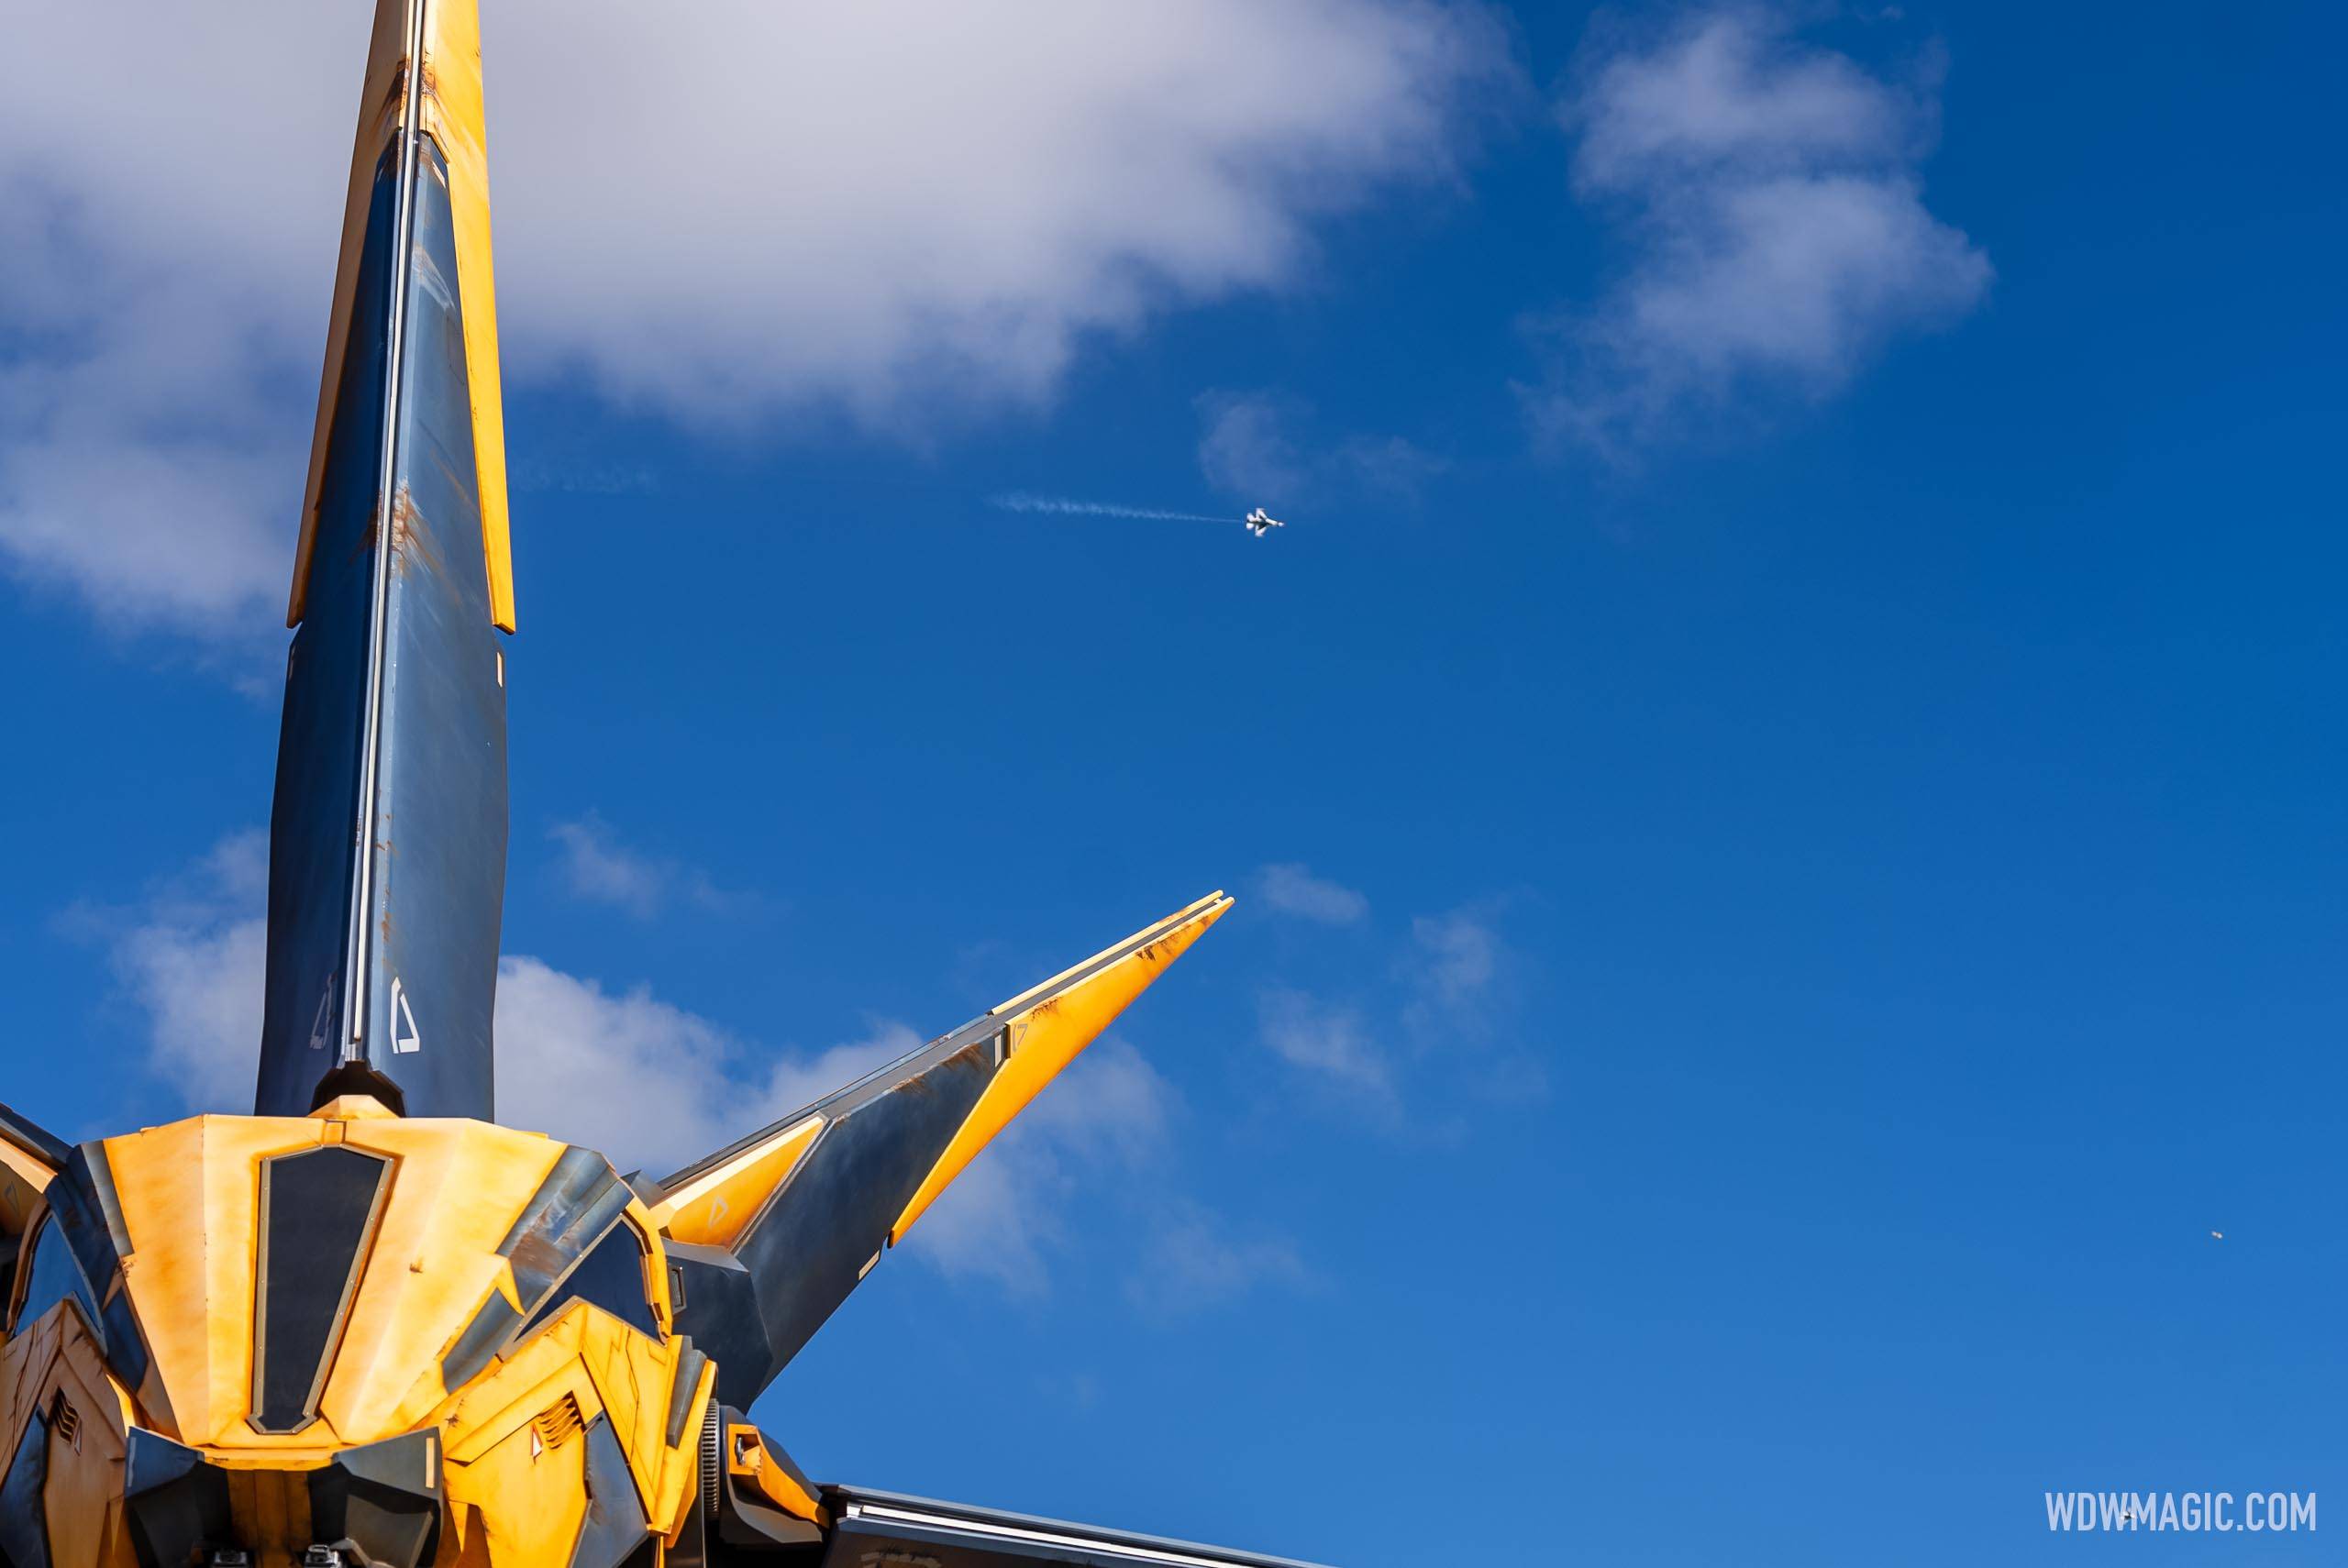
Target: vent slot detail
pixel 559 1422
pixel 319 1210
pixel 65 1421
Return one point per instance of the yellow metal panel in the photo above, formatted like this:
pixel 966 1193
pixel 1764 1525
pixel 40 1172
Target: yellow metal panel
pixel 454 118
pixel 353 1108
pixel 458 1187
pixel 23 1364
pixel 525 1501
pixel 1044 1037
pixel 715 1208
pixel 1211 906
pixel 635 1394
pixel 680 1470
pixel 82 1499
pixel 604 1350
pixel 189 1195
pixel 653 1365
pixel 510 1398
pixel 30 1357
pixel 747 1460
pixel 189 1198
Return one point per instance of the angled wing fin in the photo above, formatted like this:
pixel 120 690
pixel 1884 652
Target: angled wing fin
pixel 771 1235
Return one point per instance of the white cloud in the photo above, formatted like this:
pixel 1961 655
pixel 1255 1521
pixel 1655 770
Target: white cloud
pixel 1292 888
pixel 192 958
pixel 1387 468
pixel 731 211
pixel 1329 1040
pixel 598 867
pixel 1250 448
pixel 1442 1019
pixel 640 1080
pixel 1198 1259
pixel 1459 953
pixel 1769 194
pixel 1246 448
pixel 1458 972
pixel 1464 978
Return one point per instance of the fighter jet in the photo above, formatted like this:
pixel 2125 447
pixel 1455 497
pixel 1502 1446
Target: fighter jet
pixel 367 1326
pixel 1259 524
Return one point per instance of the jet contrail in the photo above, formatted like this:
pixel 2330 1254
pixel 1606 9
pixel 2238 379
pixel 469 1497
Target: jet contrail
pixel 1019 501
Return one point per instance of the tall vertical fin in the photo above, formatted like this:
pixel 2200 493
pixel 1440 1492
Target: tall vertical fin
pixel 387 838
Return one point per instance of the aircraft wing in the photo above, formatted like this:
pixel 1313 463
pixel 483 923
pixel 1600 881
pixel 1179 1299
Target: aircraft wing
pixel 764 1239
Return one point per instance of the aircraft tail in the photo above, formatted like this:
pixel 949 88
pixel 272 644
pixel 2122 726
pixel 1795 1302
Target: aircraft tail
pixel 387 838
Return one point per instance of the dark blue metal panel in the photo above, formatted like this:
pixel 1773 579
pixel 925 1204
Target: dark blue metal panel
pixel 831 1219
pixel 174 1501
pixel 614 1527
pixel 81 1206
pixel 314 817
pixel 433 874
pixel 24 1523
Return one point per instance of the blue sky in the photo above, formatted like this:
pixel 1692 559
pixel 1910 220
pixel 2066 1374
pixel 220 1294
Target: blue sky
pixel 1784 782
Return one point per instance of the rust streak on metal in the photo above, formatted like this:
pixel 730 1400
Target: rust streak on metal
pixel 412 540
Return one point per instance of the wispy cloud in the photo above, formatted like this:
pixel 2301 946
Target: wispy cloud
pixel 1198 1259
pixel 1769 196
pixel 1292 888
pixel 1397 1045
pixel 598 867
pixel 929 237
pixel 1329 1041
pixel 190 956
pixel 1466 983
pixel 1263 446
pixel 581 477
pixel 1459 952
pixel 1245 447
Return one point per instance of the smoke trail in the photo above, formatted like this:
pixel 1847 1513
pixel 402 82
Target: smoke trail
pixel 1019 501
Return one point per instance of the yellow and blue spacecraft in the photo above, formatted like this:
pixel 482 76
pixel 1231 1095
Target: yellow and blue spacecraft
pixel 367 1325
